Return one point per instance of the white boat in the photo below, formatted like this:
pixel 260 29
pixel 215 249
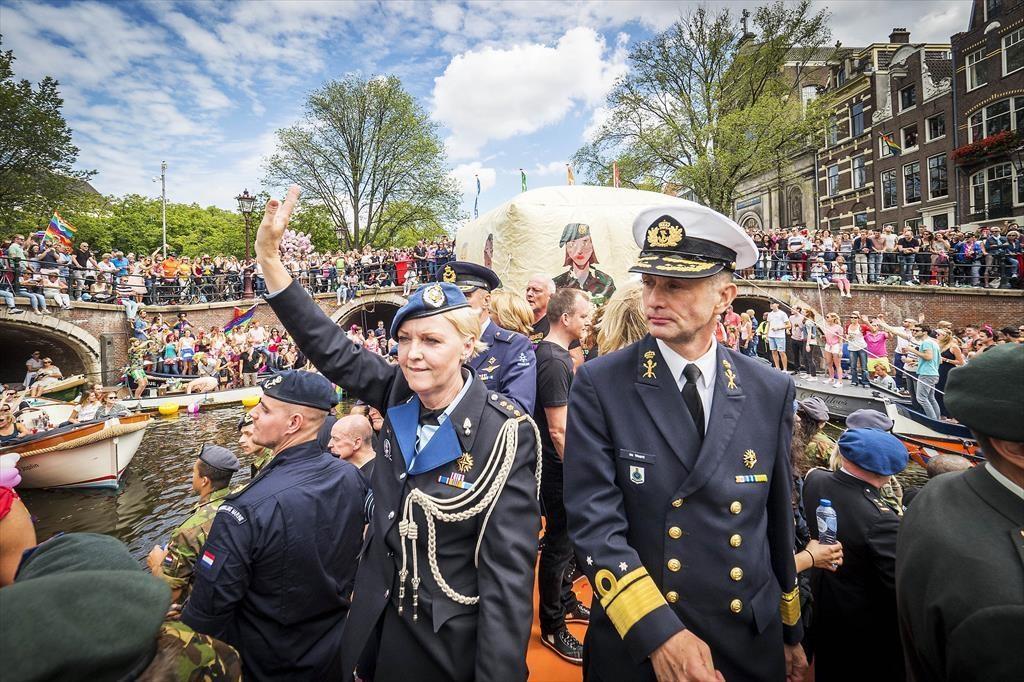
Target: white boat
pixel 57 410
pixel 925 438
pixel 842 401
pixel 91 455
pixel 201 400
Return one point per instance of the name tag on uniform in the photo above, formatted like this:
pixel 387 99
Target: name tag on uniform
pixel 238 516
pixel 752 478
pixel 635 457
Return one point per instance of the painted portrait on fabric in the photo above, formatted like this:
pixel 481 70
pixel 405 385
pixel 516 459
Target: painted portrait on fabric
pixel 581 259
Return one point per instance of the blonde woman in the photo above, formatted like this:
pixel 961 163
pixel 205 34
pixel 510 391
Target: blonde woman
pixel 624 321
pixel 444 589
pixel 510 310
pixel 833 349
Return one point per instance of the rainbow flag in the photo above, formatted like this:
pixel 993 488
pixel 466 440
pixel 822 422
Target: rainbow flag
pixel 894 148
pixel 240 318
pixel 59 230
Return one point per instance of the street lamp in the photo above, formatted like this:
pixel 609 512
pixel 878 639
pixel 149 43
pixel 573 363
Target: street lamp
pixel 245 205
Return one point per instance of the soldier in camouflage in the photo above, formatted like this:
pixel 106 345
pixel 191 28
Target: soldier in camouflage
pixel 580 257
pixel 260 455
pixel 211 476
pixel 198 657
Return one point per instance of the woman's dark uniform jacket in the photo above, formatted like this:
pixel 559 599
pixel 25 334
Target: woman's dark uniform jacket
pixel 450 641
pixel 674 534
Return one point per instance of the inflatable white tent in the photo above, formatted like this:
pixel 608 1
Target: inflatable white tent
pixel 521 236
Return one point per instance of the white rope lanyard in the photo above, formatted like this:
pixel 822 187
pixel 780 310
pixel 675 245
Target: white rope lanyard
pixel 482 496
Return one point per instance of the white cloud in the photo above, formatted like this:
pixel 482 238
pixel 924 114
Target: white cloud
pixel 552 168
pixel 493 94
pixel 466 174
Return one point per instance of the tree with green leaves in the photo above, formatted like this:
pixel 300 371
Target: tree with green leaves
pixel 36 152
pixel 707 105
pixel 369 155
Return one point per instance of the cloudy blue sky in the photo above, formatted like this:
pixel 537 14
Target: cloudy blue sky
pixel 204 85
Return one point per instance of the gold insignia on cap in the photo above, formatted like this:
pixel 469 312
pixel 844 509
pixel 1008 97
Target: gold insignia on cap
pixel 449 274
pixel 434 296
pixel 582 230
pixel 749 459
pixel 464 463
pixel 665 234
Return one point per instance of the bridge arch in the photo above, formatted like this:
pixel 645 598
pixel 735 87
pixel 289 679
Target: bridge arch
pixel 366 311
pixel 73 349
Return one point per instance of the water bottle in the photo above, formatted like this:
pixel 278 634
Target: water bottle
pixel 828 523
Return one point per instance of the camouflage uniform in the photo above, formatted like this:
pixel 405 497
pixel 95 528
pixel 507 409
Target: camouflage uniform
pixel 259 461
pixel 598 284
pixel 819 449
pixel 187 542
pixel 198 657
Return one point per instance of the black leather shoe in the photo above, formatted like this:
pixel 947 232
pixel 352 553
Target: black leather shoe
pixel 565 645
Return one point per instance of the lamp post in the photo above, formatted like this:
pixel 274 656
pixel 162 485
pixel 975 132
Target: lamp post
pixel 245 205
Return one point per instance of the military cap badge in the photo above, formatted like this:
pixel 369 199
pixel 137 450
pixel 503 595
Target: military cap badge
pixel 434 296
pixel 449 274
pixel 665 235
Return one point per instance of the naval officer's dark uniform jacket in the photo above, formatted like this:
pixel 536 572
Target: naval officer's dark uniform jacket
pixel 275 576
pixel 960 580
pixel 855 607
pixel 673 534
pixel 447 640
pixel 508 366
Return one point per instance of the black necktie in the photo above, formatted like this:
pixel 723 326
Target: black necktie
pixel 692 398
pixel 430 417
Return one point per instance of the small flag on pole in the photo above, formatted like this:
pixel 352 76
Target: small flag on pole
pixel 522 179
pixel 615 173
pixel 240 318
pixel 476 201
pixel 59 230
pixel 890 143
pixel 569 175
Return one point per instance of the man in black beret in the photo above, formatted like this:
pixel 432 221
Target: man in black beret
pixel 508 366
pixel 280 560
pixel 960 556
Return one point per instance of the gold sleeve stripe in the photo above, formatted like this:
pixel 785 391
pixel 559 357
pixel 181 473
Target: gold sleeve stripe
pixel 789 607
pixel 628 600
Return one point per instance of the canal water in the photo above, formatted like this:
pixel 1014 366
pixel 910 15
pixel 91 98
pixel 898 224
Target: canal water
pixel 155 494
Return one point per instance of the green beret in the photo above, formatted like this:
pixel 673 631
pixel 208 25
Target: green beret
pixel 574 231
pixel 80 608
pixel 985 394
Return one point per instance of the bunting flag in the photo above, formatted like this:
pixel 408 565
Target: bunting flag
pixel 894 148
pixel 240 318
pixel 476 201
pixel 59 230
pixel 522 179
pixel 615 173
pixel 569 175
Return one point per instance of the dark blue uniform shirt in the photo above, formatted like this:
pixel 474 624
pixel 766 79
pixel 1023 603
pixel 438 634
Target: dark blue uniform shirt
pixel 508 366
pixel 275 577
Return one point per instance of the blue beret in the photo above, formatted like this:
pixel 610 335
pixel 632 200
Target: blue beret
pixel 877 451
pixel 219 457
pixel 301 388
pixel 429 299
pixel 468 276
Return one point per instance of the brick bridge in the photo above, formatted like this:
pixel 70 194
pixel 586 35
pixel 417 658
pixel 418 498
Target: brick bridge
pixel 92 338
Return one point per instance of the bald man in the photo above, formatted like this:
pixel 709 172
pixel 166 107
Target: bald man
pixel 351 440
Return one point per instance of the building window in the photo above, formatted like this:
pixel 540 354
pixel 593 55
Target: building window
pixel 1013 51
pixel 912 183
pixel 889 198
pixel 860 220
pixel 857 119
pixel 992 191
pixel 938 178
pixel 892 225
pixel 795 203
pixel 833 180
pixel 1018 113
pixel 997 117
pixel 835 224
pixel 940 222
pixel 936 126
pixel 913 224
pixel 840 77
pixel 859 174
pixel 909 137
pixel 975 69
pixel 908 97
pixel 977 126
pixel 833 131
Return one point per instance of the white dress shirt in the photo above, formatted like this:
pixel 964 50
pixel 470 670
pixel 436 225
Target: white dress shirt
pixel 708 366
pixel 1004 481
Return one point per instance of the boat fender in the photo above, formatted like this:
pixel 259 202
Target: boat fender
pixel 250 400
pixel 168 408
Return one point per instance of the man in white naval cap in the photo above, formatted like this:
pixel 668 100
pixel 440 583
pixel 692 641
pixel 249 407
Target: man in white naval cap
pixel 677 477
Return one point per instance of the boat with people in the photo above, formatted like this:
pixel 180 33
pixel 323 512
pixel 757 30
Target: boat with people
pixel 925 438
pixel 86 455
pixel 65 389
pixel 172 401
pixel 846 399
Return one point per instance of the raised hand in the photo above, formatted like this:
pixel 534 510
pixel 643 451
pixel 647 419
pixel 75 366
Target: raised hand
pixel 275 220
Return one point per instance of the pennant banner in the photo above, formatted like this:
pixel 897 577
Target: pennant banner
pixel 615 173
pixel 570 176
pixel 522 179
pixel 476 201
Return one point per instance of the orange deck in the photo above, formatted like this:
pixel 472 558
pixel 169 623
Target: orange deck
pixel 545 665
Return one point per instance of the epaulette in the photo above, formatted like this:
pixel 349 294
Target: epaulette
pixel 503 335
pixel 504 405
pixel 877 501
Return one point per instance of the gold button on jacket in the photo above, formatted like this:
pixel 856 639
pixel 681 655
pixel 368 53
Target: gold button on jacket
pixel 675 532
pixel 674 565
pixel 736 540
pixel 736 573
pixel 677 503
pixel 671 597
pixel 736 507
pixel 735 606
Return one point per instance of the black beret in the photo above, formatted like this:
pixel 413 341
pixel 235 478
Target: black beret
pixel 985 394
pixel 301 388
pixel 246 420
pixel 219 457
pixel 468 276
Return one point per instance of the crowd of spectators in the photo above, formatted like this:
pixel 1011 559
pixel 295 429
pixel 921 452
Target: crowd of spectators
pixel 54 274
pixel 990 258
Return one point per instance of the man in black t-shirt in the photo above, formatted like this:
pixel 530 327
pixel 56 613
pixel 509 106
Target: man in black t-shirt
pixel 81 273
pixel 567 313
pixel 907 246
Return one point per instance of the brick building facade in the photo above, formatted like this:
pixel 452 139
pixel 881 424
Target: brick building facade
pixel 989 90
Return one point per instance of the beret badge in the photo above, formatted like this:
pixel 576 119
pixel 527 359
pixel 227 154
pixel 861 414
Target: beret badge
pixel 434 295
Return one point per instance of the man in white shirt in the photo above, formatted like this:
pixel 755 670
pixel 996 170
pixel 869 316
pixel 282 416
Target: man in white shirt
pixel 797 338
pixel 778 323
